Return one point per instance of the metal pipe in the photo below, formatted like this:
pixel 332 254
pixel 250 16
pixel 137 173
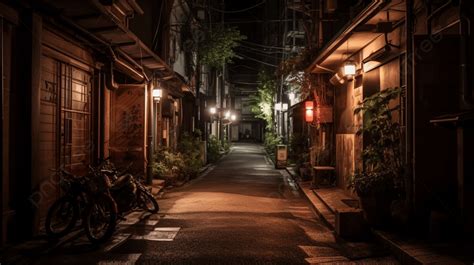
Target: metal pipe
pixel 410 106
pixel 438 11
pixel 149 158
pixel 465 93
pixel 1 131
pixel 123 66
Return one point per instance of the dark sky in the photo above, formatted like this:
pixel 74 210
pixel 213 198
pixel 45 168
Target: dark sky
pixel 250 24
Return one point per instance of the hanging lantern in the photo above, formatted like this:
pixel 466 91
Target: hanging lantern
pixel 349 68
pixel 157 94
pixel 309 114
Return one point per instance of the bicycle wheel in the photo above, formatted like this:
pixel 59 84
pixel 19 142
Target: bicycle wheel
pixel 62 217
pixel 100 218
pixel 147 202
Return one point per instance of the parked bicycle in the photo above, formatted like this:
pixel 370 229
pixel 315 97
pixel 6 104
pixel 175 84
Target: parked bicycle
pixel 65 212
pixel 128 191
pixel 98 198
pixel 87 197
pixel 100 214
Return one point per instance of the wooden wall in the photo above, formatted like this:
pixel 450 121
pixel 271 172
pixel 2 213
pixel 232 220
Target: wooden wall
pixel 127 126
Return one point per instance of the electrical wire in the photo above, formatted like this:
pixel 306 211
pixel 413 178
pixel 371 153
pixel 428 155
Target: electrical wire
pixel 264 46
pixel 258 61
pixel 238 11
pixel 260 54
pixel 261 50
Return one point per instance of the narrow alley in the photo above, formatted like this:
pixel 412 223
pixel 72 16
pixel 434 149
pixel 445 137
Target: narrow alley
pixel 240 211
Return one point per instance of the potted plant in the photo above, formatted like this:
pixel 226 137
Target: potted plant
pixel 379 180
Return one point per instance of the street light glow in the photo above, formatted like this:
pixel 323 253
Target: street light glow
pixel 291 96
pixel 227 114
pixel 233 117
pixel 213 110
pixel 157 93
pixel 349 68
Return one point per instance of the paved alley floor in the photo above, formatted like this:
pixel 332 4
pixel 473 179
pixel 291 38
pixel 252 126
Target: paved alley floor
pixel 241 211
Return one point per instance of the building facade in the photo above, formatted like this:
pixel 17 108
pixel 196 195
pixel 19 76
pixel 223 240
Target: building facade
pixel 77 86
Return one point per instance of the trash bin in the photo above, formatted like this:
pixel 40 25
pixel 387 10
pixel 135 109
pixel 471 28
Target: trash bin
pixel 281 156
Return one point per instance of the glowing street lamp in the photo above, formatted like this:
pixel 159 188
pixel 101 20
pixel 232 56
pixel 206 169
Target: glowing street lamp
pixel 281 106
pixel 349 68
pixel 291 96
pixel 157 94
pixel 213 110
pixel 233 117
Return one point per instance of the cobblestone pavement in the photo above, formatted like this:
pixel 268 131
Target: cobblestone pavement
pixel 240 211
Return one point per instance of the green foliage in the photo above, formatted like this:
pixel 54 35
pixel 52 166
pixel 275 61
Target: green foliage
pixel 189 147
pixel 182 165
pixel 298 149
pixel 213 149
pixel 168 165
pixel 262 103
pixel 225 145
pixel 383 168
pixel 271 141
pixel 217 48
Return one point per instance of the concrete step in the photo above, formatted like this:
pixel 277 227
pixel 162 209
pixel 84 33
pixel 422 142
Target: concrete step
pixel 326 214
pixel 335 198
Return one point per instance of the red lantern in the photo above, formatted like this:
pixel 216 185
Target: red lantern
pixel 309 114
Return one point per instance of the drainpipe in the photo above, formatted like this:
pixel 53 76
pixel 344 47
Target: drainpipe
pixel 1 132
pixel 410 108
pixel 466 100
pixel 149 155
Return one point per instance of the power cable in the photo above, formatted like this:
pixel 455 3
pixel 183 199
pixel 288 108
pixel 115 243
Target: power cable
pixel 238 11
pixel 258 61
pixel 260 49
pixel 260 54
pixel 264 46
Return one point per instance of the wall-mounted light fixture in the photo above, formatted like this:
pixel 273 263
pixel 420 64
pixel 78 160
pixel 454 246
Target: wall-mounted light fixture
pixel 233 117
pixel 309 114
pixel 213 110
pixel 157 93
pixel 349 68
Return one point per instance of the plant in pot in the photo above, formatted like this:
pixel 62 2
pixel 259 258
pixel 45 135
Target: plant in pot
pixel 379 181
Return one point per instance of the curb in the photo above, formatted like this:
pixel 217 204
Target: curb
pixel 412 254
pixel 315 202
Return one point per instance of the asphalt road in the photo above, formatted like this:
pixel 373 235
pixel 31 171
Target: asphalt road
pixel 241 211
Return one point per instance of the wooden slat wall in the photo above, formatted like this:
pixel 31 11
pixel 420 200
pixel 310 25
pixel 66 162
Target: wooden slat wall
pixel 345 146
pixel 69 87
pixel 48 123
pixel 127 124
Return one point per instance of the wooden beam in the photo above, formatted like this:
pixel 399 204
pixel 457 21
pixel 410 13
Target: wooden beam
pixel 123 44
pixel 104 29
pixel 86 16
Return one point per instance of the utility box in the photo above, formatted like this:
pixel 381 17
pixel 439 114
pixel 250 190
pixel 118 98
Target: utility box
pixel 281 156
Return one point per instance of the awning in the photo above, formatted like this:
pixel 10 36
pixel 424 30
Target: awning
pixel 100 21
pixel 357 34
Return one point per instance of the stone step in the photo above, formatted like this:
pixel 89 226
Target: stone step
pixel 326 214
